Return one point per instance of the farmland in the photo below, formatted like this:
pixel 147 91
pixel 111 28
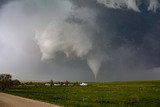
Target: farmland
pixel 96 94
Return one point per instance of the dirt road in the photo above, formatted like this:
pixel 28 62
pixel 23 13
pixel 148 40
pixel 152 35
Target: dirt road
pixel 7 100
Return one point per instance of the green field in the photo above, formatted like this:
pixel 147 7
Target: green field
pixel 97 94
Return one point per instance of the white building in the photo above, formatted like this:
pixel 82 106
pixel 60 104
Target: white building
pixel 47 84
pixel 57 84
pixel 83 84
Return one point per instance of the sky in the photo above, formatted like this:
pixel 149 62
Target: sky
pixel 80 40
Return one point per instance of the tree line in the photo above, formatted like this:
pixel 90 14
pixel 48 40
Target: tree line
pixel 6 81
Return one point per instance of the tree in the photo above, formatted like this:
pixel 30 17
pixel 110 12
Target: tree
pixel 5 81
pixel 66 83
pixel 51 82
pixel 16 82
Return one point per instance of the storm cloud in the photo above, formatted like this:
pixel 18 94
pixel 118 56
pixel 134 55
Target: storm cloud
pixel 108 40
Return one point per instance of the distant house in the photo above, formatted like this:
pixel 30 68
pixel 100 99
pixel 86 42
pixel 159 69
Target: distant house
pixel 83 84
pixel 47 84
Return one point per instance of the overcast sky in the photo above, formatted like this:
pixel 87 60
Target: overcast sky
pixel 80 40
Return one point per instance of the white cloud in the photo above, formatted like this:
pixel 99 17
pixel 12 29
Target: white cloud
pixel 64 37
pixel 154 5
pixel 120 4
pixel 130 4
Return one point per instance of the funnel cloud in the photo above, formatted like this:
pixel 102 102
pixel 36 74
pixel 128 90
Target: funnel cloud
pixel 80 40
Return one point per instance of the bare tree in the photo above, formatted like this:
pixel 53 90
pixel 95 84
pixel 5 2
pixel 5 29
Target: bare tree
pixel 5 81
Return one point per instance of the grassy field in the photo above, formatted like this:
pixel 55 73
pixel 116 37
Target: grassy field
pixel 97 94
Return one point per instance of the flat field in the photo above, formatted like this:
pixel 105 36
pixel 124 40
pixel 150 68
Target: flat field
pixel 96 94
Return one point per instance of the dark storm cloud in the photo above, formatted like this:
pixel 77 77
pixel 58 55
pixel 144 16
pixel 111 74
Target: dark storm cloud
pixel 130 39
pixel 75 37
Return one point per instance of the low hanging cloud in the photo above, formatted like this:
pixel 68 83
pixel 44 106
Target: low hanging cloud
pixel 65 37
